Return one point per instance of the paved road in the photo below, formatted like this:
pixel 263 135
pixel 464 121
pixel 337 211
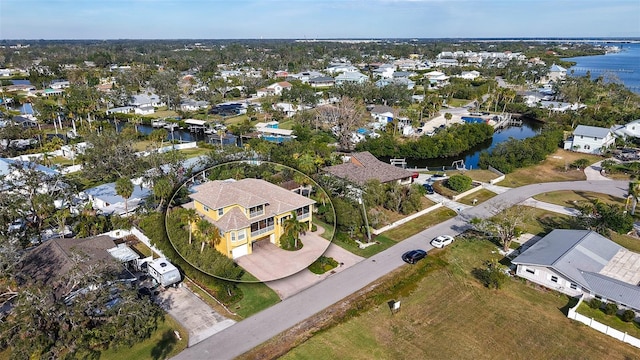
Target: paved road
pixel 251 332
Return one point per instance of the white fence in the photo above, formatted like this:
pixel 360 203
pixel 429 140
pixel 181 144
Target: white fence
pixel 500 177
pixel 622 336
pixel 408 218
pixel 468 192
pixel 138 234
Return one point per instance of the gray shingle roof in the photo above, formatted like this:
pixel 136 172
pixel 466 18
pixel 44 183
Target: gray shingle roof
pixel 591 131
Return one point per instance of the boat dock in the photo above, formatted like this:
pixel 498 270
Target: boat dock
pixel 506 120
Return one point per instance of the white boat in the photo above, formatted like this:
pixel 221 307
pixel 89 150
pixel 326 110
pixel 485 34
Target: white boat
pixel 171 126
pixel 158 123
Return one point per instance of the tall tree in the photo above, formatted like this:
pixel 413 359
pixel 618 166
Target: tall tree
pixel 344 118
pixel 505 225
pixel 192 218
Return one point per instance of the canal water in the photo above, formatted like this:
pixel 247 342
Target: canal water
pixel 471 157
pixel 179 135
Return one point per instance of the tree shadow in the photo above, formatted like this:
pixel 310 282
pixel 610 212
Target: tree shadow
pixel 550 223
pixel 164 347
pixel 571 302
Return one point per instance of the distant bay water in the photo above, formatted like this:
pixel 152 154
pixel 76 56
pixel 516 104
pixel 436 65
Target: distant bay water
pixel 625 65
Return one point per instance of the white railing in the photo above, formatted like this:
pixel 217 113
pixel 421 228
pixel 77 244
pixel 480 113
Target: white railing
pixel 262 231
pixel 303 216
pixel 622 336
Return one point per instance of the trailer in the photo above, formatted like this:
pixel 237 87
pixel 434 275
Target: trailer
pixel 164 272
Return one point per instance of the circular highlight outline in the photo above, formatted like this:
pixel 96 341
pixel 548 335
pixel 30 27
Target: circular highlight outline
pixel 246 162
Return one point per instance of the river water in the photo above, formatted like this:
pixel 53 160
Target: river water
pixel 624 65
pixel 471 157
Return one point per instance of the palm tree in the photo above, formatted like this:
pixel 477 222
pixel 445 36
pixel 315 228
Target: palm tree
pixel 209 234
pixel 634 192
pixel 294 228
pixel 191 217
pixel 124 188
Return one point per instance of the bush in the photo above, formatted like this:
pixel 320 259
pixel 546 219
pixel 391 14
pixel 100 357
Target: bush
pixel 314 227
pixel 322 265
pixel 493 276
pixel 610 309
pixel 628 315
pixel 595 303
pixel 459 183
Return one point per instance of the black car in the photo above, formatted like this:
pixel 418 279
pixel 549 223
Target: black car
pixel 413 256
pixel 428 188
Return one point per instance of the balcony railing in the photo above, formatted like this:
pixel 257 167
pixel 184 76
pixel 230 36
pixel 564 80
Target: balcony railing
pixel 256 213
pixel 262 231
pixel 303 216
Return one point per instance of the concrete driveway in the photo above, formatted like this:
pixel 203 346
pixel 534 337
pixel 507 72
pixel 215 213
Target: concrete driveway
pixel 293 284
pixel 268 262
pixel 192 313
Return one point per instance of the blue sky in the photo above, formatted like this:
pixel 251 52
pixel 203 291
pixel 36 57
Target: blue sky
pixel 310 19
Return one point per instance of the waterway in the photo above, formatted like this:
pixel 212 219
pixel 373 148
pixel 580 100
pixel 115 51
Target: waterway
pixel 179 135
pixel 624 65
pixel 471 157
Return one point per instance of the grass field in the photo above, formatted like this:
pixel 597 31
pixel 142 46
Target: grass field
pixel 449 315
pixel 419 224
pixel 480 195
pixel 568 197
pixel 257 297
pixel 557 167
pixel 383 243
pixel 631 328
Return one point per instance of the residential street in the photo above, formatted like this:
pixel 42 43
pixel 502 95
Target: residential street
pixel 253 331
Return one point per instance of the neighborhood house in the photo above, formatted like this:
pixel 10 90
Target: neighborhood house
pixel 583 262
pixel 590 139
pixel 248 211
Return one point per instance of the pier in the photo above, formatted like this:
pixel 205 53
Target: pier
pixel 506 120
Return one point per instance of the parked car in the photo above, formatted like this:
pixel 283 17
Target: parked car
pixel 428 188
pixel 442 241
pixel 413 256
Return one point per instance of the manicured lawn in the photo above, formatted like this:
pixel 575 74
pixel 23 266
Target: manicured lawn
pixel 480 195
pixel 164 113
pixel 195 152
pixel 419 224
pixel 257 297
pixel 449 315
pixel 456 103
pixel 328 229
pixel 163 344
pixel 382 243
pixel 557 167
pixel 568 197
pixel 631 328
pixel 541 222
pixel 144 145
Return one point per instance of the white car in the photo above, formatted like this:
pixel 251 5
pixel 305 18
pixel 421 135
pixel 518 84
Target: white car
pixel 442 241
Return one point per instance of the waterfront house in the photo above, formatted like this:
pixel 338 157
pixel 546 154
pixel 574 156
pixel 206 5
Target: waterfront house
pixel 271 132
pixel 590 140
pixel 556 73
pixel 583 262
pixel 361 167
pixel 248 211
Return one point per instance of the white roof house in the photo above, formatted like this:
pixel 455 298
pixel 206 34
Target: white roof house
pixel 590 140
pixel 631 129
pixel 584 262
pixel 353 77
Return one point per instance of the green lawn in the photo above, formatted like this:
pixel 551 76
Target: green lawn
pixel 480 195
pixel 257 297
pixel 631 328
pixel 448 315
pixel 195 152
pixel 235 119
pixel 419 224
pixel 629 242
pixel 541 222
pixel 328 229
pixel 457 103
pixel 382 243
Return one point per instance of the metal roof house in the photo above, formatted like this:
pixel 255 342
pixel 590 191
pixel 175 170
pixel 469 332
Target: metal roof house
pixel 590 139
pixel 583 262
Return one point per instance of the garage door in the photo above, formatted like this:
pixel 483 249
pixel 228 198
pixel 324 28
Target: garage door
pixel 239 251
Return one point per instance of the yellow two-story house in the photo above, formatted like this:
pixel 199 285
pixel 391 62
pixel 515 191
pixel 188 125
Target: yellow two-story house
pixel 247 211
